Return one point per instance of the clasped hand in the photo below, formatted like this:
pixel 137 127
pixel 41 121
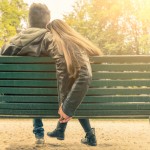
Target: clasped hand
pixel 63 117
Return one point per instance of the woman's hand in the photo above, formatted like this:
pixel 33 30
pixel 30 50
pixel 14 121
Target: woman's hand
pixel 63 117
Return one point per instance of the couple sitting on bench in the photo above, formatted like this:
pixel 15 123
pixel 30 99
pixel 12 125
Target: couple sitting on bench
pixel 71 53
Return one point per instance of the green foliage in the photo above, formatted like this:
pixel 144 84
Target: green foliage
pixel 12 13
pixel 117 26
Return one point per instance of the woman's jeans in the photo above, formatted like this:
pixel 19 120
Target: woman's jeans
pixel 38 129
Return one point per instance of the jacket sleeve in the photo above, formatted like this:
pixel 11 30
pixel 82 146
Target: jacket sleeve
pixel 48 45
pixel 77 92
pixel 9 49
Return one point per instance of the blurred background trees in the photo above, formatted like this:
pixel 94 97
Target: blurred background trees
pixel 12 15
pixel 117 27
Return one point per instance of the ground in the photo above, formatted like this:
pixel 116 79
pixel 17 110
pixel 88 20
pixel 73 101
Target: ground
pixel 112 134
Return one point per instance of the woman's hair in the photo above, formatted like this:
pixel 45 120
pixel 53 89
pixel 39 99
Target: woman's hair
pixel 72 45
pixel 39 15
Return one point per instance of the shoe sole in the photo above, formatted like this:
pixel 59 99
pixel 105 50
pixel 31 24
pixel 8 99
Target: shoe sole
pixel 90 144
pixel 59 138
pixel 39 145
pixel 94 144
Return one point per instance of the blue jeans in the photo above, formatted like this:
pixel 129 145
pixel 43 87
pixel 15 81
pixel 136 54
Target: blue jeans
pixel 38 129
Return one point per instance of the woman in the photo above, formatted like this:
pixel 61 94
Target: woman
pixel 74 75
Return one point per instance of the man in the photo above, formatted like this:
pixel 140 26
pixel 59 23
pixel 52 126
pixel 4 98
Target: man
pixel 34 41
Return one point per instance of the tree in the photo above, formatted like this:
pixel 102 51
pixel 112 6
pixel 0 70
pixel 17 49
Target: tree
pixel 116 26
pixel 12 13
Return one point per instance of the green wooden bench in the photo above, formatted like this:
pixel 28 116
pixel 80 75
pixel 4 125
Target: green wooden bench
pixel 120 87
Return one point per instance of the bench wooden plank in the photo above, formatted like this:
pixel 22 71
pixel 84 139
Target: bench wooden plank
pixel 28 91
pixel 96 75
pixel 118 98
pixel 89 99
pixel 79 113
pixel 27 99
pixel 28 83
pixel 96 59
pixel 27 67
pixel 123 83
pixel 118 91
pixel 121 59
pixel 83 106
pixel 27 75
pixel 25 60
pixel 121 67
pixel 95 67
pixel 121 75
pixel 92 91
pixel 94 83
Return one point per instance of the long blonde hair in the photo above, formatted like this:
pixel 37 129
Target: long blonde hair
pixel 72 45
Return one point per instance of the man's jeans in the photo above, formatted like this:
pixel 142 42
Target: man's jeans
pixel 38 129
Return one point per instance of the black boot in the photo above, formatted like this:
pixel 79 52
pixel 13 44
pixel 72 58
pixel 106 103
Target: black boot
pixel 59 131
pixel 90 138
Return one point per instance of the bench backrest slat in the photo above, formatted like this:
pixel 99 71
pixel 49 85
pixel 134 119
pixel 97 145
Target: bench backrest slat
pixel 120 87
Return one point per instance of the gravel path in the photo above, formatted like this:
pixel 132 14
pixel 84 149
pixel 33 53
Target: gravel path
pixel 112 134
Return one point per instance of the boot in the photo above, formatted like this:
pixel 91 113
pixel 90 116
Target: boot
pixel 90 138
pixel 58 132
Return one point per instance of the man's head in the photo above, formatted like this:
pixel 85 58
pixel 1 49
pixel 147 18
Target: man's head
pixel 39 15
